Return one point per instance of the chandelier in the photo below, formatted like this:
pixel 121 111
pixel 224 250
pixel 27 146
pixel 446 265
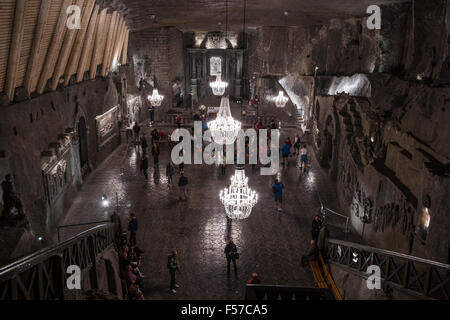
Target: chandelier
pixel 280 100
pixel 224 129
pixel 238 199
pixel 155 99
pixel 218 87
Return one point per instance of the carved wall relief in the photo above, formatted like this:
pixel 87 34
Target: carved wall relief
pixel 391 214
pixel 362 207
pixel 55 165
pixel 106 126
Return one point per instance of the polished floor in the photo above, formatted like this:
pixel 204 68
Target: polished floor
pixel 269 242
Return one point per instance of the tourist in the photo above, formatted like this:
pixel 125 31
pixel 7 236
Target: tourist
pixel 131 278
pixel 144 166
pixel 316 225
pixel 297 144
pixel 231 254
pixel 223 165
pixel 174 265
pixel 277 189
pixel 181 165
pixel 169 172
pixel 132 228
pixel 10 198
pixel 285 151
pixel 144 144
pixel 303 158
pixel 178 120
pixel 312 255
pixel 182 184
pixel 136 130
pixel 254 279
pixel 155 153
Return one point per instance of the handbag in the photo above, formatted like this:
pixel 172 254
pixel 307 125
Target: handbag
pixel 236 255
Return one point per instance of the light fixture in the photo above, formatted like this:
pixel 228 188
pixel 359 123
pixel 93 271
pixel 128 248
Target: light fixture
pixel 155 99
pixel 218 87
pixel 105 201
pixel 238 199
pixel 224 129
pixel 280 100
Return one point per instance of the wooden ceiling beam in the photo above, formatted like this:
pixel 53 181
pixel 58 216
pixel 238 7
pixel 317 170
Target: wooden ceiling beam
pixel 109 41
pixel 65 51
pixel 14 50
pixel 88 44
pixel 55 46
pixel 99 44
pixel 32 68
pixel 76 52
pixel 125 48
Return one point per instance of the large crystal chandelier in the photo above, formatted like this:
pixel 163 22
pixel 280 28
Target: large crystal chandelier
pixel 155 99
pixel 280 100
pixel 238 199
pixel 224 129
pixel 218 87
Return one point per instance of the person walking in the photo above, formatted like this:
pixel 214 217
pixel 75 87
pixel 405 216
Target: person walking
pixel 144 166
pixel 303 158
pixel 174 265
pixel 285 150
pixel 231 254
pixel 297 144
pixel 315 230
pixel 312 255
pixel 136 130
pixel 277 189
pixel 169 172
pixel 155 152
pixel 144 144
pixel 132 228
pixel 182 184
pixel 178 120
pixel 10 198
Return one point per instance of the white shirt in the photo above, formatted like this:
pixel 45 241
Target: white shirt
pixel 303 151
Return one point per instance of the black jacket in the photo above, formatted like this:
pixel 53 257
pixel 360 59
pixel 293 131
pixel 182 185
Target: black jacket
pixel 316 225
pixel 133 225
pixel 230 250
pixel 183 181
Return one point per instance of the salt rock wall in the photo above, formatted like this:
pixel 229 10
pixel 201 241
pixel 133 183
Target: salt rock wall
pixel 37 129
pixel 157 53
pixel 390 156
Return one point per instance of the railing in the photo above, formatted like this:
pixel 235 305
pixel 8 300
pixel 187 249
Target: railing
pixel 274 292
pixel 42 275
pixel 333 218
pixel 77 225
pixel 416 276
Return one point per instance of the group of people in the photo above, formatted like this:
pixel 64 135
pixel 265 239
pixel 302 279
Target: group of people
pixel 130 256
pixel 299 150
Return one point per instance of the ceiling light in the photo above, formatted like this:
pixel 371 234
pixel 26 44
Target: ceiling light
pixel 218 87
pixel 155 99
pixel 280 100
pixel 224 129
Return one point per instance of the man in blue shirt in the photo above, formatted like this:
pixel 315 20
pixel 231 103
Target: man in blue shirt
pixel 285 151
pixel 277 189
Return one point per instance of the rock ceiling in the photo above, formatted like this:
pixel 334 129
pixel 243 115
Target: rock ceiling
pixel 208 15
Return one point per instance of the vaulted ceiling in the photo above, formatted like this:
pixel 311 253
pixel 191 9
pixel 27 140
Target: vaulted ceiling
pixel 204 15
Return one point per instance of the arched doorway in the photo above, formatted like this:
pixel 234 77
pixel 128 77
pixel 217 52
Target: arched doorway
pixel 82 135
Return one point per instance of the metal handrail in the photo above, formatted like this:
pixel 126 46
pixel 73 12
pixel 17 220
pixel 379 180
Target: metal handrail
pixel 79 225
pixel 415 276
pixel 324 210
pixel 362 247
pixel 45 253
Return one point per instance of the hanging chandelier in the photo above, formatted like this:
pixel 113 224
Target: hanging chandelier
pixel 238 199
pixel 224 129
pixel 280 100
pixel 155 99
pixel 218 87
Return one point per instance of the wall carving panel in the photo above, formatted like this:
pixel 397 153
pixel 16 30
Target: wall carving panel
pixel 106 126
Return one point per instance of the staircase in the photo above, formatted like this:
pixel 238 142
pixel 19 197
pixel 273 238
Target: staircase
pixel 42 275
pixel 415 276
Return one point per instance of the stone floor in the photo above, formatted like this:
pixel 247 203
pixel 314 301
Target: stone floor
pixel 269 242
